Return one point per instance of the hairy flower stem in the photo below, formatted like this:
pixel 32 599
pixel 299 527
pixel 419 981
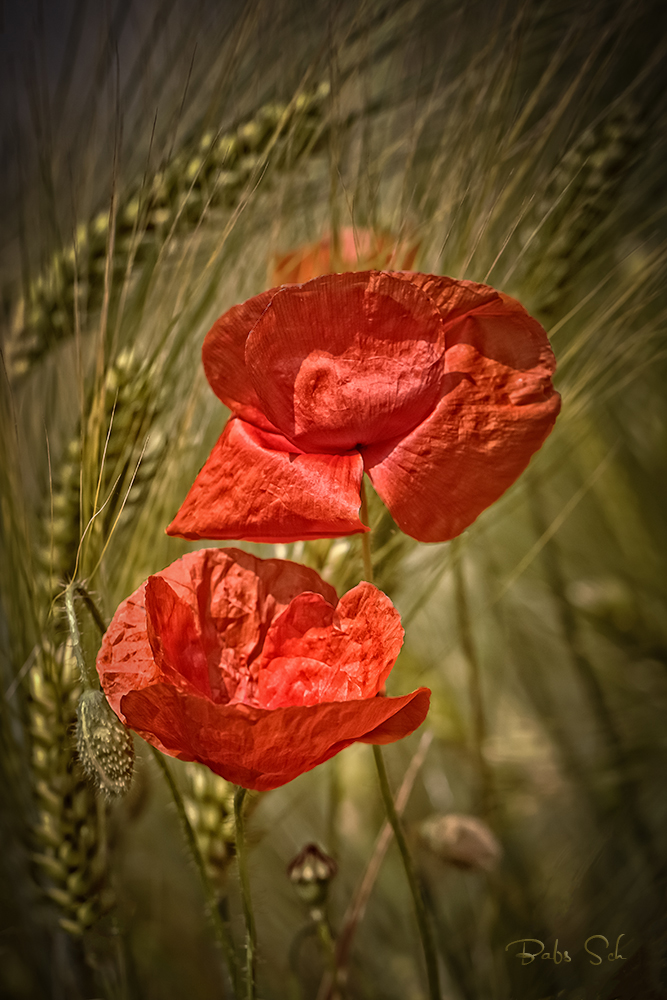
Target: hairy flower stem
pixel 88 674
pixel 221 930
pixel 366 537
pixel 413 881
pixel 251 932
pixel 392 815
pixel 328 946
pixel 484 777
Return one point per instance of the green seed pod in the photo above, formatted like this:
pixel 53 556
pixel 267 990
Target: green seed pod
pixel 104 744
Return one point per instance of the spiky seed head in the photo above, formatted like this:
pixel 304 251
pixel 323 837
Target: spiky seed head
pixel 104 744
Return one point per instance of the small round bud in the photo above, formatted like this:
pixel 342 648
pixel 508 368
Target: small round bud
pixel 105 745
pixel 310 872
pixel 463 841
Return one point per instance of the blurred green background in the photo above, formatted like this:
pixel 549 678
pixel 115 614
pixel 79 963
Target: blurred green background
pixel 157 157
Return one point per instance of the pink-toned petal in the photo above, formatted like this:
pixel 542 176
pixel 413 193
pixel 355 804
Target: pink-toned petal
pixel 360 249
pixel 499 409
pixel 256 486
pixel 262 749
pixel 347 359
pixel 223 355
pixel 314 653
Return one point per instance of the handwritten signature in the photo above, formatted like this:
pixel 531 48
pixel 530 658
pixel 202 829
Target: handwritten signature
pixel 557 956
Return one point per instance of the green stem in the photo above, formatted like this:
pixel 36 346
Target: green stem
pixel 366 537
pixel 484 776
pixel 328 946
pixel 411 873
pixel 242 855
pixel 95 612
pixel 88 674
pixel 390 808
pixel 219 926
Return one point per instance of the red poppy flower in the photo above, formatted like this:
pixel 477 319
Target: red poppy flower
pixel 440 390
pixel 254 667
pixel 359 249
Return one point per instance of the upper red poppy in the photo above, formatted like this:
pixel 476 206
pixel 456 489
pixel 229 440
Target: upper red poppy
pixel 439 389
pixel 254 668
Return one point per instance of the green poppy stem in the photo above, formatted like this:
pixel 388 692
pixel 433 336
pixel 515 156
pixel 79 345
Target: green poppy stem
pixel 242 856
pixel 413 881
pixel 366 537
pixel 88 674
pixel 411 872
pixel 221 930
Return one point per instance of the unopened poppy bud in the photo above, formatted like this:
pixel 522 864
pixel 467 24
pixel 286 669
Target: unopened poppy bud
pixel 463 841
pixel 310 872
pixel 105 746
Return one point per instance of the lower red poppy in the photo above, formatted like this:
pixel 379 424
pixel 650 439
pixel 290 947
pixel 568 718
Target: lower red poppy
pixel 254 668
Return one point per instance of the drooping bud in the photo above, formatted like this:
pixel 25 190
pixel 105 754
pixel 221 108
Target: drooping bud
pixel 105 745
pixel 310 873
pixel 463 841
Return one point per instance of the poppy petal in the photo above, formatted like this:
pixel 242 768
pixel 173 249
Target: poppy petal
pixel 353 359
pixel 360 250
pixel 497 409
pixel 314 653
pixel 258 487
pixel 174 637
pixel 234 597
pixel 223 355
pixel 263 749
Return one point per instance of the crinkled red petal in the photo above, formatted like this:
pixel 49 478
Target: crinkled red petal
pixel 263 749
pixel 498 407
pixel 314 653
pixel 347 359
pixel 223 355
pixel 258 487
pixel 232 598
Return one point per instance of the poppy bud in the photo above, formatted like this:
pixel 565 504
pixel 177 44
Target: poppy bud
pixel 462 841
pixel 105 746
pixel 310 872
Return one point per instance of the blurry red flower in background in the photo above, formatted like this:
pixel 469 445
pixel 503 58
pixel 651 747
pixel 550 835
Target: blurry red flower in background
pixel 358 250
pixel 254 668
pixel 440 390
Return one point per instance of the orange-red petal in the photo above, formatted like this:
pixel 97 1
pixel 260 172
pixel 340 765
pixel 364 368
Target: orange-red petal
pixel 223 355
pixel 263 749
pixel 347 359
pixel 497 409
pixel 359 250
pixel 315 653
pixel 258 487
pixel 232 598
